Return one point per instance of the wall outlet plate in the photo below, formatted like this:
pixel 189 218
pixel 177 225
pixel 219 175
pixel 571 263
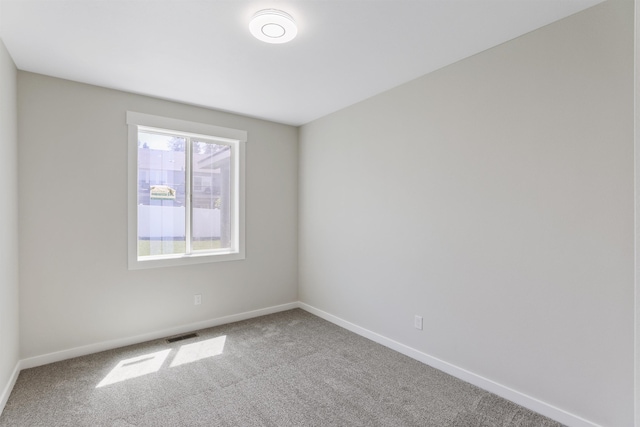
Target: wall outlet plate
pixel 417 322
pixel 197 299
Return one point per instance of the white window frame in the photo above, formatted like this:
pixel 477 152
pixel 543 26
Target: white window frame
pixel 235 138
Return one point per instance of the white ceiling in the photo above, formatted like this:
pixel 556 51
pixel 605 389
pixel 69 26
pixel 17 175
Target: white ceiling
pixel 201 52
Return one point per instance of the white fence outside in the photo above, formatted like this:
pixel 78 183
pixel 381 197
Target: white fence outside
pixel 155 222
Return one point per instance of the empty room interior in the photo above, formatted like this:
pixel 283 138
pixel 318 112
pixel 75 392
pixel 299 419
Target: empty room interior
pixel 449 182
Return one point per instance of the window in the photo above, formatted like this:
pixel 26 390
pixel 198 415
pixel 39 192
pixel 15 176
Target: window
pixel 186 192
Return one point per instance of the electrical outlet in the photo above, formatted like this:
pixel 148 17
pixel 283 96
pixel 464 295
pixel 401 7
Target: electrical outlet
pixel 417 322
pixel 197 299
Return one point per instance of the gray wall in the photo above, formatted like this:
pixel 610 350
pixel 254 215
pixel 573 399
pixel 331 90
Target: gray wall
pixel 9 329
pixel 637 240
pixel 75 286
pixel 495 198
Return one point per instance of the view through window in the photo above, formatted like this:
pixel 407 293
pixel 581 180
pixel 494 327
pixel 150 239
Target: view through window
pixel 163 194
pixel 187 194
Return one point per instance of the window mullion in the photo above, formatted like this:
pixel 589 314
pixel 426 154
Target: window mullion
pixel 188 209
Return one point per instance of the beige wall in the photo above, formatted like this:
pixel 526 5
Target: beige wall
pixel 76 289
pixel 9 328
pixel 494 197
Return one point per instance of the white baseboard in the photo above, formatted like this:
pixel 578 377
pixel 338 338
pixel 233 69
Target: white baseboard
pixel 522 399
pixel 4 396
pixel 57 356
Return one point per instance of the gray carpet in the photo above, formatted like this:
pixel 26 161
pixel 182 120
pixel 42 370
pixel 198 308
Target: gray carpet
pixel 285 369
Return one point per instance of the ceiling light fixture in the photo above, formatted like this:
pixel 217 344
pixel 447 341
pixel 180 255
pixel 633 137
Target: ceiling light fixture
pixel 273 26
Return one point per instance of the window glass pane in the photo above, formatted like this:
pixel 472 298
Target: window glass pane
pixel 211 196
pixel 161 194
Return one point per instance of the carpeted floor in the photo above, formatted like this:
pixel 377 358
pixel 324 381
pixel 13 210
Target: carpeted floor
pixel 285 369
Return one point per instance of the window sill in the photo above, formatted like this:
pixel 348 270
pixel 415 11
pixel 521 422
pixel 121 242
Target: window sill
pixel 180 260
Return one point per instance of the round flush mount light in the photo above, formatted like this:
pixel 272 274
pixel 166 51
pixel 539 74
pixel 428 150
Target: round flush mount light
pixel 273 26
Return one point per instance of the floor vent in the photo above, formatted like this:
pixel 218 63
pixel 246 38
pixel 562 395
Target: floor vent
pixel 181 337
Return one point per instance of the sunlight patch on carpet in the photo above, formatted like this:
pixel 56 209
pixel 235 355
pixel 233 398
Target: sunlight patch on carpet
pixel 135 367
pixel 199 350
